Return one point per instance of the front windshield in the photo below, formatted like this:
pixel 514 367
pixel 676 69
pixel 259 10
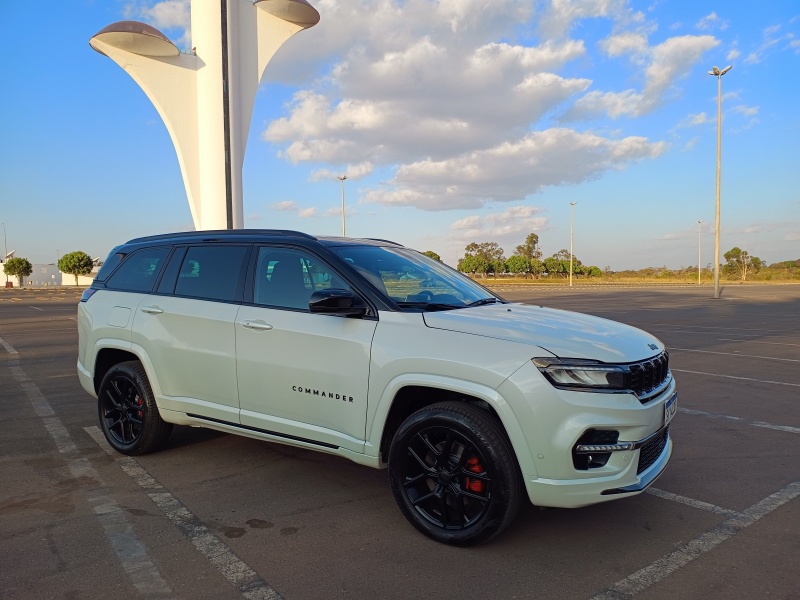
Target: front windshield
pixel 412 280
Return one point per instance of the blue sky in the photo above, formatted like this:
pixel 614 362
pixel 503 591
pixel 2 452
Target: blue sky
pixel 456 121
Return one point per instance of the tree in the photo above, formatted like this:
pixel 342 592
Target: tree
pixel 741 264
pixel 559 263
pixel 482 258
pixel 530 249
pixel 18 267
pixel 518 264
pixel 76 263
pixel 433 255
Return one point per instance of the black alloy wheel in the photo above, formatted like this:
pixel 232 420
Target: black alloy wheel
pixel 128 413
pixel 453 474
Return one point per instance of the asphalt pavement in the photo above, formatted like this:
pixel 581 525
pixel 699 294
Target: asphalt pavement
pixel 224 517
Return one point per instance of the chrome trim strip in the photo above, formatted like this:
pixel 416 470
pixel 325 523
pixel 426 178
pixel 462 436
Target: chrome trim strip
pixel 645 481
pixel 621 447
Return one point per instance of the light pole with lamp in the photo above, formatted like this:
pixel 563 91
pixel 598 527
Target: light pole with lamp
pixel 698 251
pixel 571 222
pixel 344 229
pixel 718 74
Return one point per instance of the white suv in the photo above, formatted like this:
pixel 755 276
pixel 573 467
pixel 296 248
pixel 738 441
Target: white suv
pixel 374 352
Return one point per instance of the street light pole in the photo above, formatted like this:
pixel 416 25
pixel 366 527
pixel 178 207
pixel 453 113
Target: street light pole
pixel 571 223
pixel 698 251
pixel 718 74
pixel 344 229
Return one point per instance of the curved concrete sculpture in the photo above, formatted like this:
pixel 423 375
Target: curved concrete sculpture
pixel 206 98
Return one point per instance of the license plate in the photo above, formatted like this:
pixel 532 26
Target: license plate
pixel 670 408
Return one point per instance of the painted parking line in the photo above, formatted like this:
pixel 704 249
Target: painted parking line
pixel 131 552
pixel 794 360
pixel 233 568
pixel 735 377
pixel 36 308
pixel 757 342
pixel 698 504
pixel 762 424
pixel 665 566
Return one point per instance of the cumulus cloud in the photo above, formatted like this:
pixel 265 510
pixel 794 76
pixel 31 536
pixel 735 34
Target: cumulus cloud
pixel 170 15
pixel 507 228
pixel 711 21
pixel 511 170
pixel 668 62
pixel 354 172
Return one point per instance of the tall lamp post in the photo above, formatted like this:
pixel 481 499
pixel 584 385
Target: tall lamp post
pixel 344 229
pixel 698 251
pixel 715 72
pixel 571 223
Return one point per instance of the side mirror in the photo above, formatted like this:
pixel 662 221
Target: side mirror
pixel 335 301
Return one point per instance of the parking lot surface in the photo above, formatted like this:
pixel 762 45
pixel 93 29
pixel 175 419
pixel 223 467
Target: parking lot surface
pixel 219 516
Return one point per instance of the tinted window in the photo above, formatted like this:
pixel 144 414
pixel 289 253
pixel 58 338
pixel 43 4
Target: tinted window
pixel 286 278
pixel 211 272
pixel 138 272
pixel 111 263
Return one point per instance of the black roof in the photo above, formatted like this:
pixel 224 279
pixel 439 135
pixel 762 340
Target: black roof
pixel 256 235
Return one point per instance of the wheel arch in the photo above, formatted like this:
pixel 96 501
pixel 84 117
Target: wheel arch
pixel 106 358
pixel 409 394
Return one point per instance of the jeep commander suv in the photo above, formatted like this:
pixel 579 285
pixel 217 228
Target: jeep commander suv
pixel 374 352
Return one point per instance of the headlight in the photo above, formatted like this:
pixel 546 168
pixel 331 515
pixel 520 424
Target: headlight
pixel 583 374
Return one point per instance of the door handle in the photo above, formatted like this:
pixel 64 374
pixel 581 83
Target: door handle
pixel 152 310
pixel 256 325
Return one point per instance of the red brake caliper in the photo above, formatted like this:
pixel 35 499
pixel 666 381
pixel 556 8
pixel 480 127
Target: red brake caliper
pixel 139 402
pixel 474 485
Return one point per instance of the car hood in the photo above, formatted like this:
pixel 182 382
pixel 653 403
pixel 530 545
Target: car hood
pixel 562 333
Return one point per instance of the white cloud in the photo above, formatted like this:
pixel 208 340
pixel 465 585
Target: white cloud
pixel 557 20
pixel 353 172
pixel 733 54
pixel 285 205
pixel 511 170
pixel 508 228
pixel 629 42
pixel 669 61
pixel 169 15
pixel 747 111
pixel 305 213
pixel 711 21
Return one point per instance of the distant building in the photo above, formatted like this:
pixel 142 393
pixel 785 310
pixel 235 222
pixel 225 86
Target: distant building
pixel 44 275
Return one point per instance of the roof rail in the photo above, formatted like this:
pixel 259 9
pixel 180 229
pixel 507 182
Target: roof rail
pixel 222 234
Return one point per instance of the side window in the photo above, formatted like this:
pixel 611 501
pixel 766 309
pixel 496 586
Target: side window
pixel 138 271
pixel 210 272
pixel 286 278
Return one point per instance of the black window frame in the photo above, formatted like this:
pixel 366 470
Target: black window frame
pixel 249 284
pixel 169 281
pixel 109 280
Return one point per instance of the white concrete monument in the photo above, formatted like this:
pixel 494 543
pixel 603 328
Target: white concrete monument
pixel 206 97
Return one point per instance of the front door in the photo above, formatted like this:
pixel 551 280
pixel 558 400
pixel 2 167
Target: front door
pixel 302 376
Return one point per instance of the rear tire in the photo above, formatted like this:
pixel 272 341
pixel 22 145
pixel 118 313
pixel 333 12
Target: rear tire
pixel 128 413
pixel 453 474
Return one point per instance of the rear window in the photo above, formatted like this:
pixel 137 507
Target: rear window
pixel 211 272
pixel 138 271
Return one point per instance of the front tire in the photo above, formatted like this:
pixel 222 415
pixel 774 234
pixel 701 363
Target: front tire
pixel 454 475
pixel 128 413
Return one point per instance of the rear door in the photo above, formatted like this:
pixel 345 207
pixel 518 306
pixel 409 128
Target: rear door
pixel 187 330
pixel 301 375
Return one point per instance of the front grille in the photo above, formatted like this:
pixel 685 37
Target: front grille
pixel 648 375
pixel 649 453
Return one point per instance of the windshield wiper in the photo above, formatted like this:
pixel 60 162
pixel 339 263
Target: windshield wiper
pixel 483 301
pixel 430 305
